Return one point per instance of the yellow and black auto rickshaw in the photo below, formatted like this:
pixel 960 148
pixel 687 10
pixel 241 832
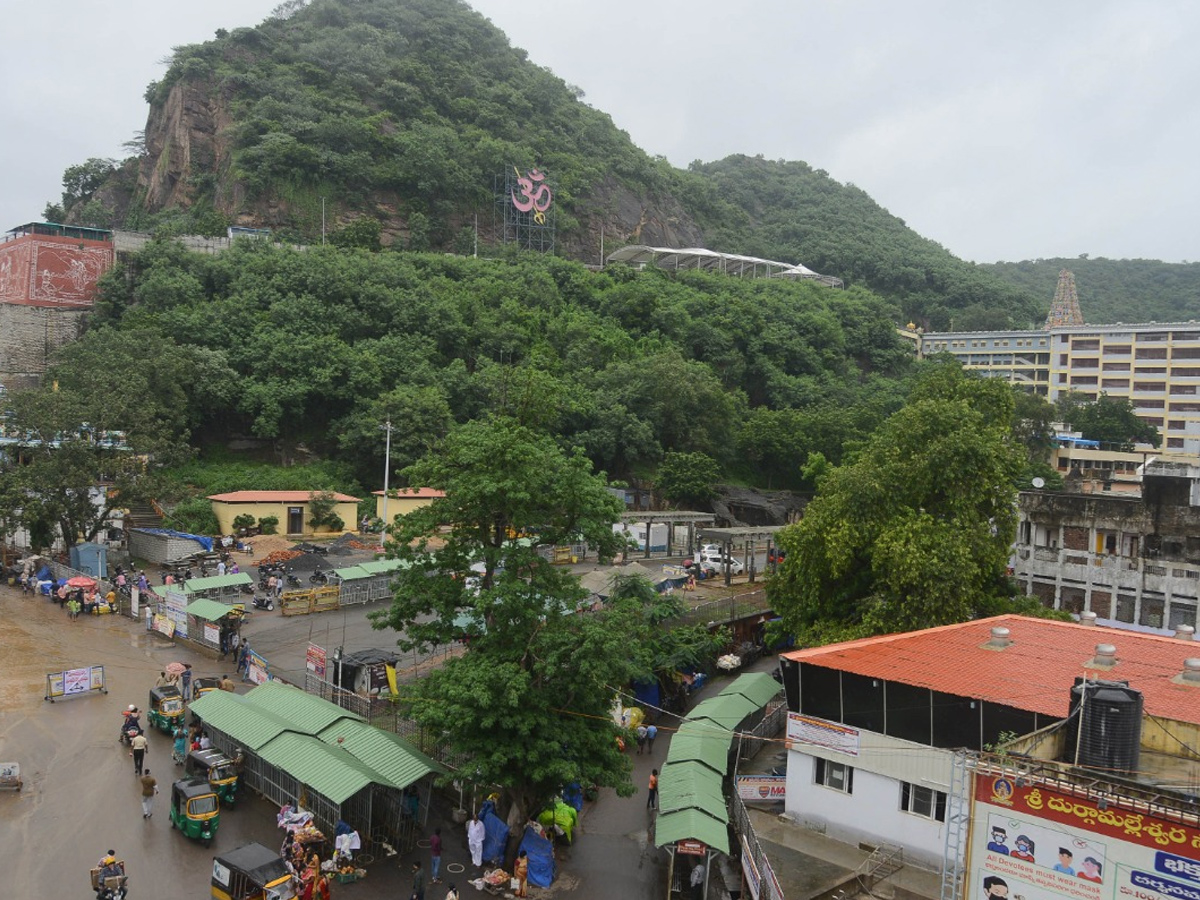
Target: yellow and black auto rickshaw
pixel 251 872
pixel 195 809
pixel 220 771
pixel 166 709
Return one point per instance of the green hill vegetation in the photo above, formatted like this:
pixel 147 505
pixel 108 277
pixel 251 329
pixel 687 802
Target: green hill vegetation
pixel 1115 290
pixel 317 349
pixel 403 112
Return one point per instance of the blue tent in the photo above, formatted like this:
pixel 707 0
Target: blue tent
pixel 495 833
pixel 541 858
pixel 647 693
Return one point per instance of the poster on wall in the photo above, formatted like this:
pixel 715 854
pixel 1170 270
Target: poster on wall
pixel 822 733
pixel 1034 842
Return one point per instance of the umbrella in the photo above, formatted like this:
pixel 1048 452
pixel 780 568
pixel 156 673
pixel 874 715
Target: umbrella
pixel 81 581
pixel 175 668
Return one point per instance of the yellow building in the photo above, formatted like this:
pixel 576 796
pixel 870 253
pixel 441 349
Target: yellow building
pixel 402 501
pixel 290 507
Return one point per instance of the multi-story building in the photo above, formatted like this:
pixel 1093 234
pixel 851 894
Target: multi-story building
pixel 1156 366
pixel 1048 758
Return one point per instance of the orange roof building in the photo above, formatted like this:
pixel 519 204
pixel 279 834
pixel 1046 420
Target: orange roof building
pixel 290 508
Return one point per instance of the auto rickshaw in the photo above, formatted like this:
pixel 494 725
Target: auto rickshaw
pixel 165 711
pixel 220 771
pixel 251 872
pixel 203 684
pixel 195 809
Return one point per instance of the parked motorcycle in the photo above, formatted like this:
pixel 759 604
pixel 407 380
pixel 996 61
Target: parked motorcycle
pixel 319 577
pixel 261 602
pixel 292 580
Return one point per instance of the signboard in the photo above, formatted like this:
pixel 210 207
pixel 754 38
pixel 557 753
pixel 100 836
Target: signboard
pixel 175 608
pixel 314 660
pixel 212 634
pixel 1037 842
pixel 750 872
pixel 164 625
pixel 762 788
pixel 256 669
pixel 74 682
pixel 822 733
pixel 690 847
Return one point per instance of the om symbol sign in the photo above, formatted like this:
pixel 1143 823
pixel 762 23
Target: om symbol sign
pixel 536 199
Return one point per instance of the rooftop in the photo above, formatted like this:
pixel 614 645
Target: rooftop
pixel 1034 672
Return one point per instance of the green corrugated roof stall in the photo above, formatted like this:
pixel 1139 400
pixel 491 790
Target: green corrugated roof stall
pixel 389 754
pixel 757 687
pixel 725 709
pixel 249 725
pixel 329 771
pixel 691 824
pixel 380 566
pixel 309 714
pixel 211 610
pixel 688 785
pixel 216 582
pixel 703 743
pixel 352 573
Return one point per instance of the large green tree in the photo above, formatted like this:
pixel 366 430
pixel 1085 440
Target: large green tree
pixel 914 529
pixel 1109 420
pixel 528 704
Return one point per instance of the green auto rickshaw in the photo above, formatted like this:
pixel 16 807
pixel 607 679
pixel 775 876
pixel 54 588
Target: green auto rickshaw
pixel 219 770
pixel 195 809
pixel 251 872
pixel 165 711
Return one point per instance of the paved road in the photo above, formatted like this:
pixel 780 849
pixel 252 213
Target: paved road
pixel 81 796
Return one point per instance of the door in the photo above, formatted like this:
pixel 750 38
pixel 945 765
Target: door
pixel 295 523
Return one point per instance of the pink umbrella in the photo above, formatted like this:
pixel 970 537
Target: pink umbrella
pixel 175 668
pixel 81 581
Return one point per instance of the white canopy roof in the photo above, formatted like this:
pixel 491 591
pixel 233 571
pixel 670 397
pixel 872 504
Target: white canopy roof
pixel 711 260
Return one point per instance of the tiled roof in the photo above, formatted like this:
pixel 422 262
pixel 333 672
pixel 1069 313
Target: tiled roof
pixel 411 493
pixel 275 497
pixel 1034 672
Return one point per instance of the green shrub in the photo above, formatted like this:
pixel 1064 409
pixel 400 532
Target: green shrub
pixel 269 524
pixel 245 520
pixel 194 516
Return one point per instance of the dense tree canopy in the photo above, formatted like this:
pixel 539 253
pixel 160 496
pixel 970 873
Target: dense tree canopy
pixel 1110 420
pixel 528 702
pixel 914 528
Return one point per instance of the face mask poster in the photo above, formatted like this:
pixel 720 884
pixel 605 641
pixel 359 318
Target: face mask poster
pixel 1031 842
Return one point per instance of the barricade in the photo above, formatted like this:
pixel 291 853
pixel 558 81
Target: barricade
pixel 312 600
pixel 75 682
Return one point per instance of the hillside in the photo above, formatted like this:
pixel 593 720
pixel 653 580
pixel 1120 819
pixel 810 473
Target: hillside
pixel 1115 290
pixel 405 111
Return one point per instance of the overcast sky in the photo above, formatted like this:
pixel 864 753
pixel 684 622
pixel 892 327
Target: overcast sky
pixel 1002 131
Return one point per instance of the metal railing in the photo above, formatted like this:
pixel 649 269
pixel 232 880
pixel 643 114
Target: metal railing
pixel 769 888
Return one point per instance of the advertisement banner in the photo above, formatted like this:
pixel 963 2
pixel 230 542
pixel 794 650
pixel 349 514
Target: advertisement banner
pixel 74 682
pixel 164 625
pixel 314 660
pixel 762 787
pixel 822 733
pixel 212 634
pixel 750 870
pixel 1033 841
pixel 256 669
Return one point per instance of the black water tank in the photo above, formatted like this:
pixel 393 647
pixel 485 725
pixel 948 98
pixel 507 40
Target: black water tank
pixel 1110 735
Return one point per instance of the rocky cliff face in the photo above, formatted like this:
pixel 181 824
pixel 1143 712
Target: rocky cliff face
pixel 189 143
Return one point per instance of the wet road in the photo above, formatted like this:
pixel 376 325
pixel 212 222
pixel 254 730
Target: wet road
pixel 81 796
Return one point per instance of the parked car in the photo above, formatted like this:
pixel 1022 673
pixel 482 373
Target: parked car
pixel 715 561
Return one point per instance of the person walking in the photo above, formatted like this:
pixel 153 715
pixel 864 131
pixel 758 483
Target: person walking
pixel 243 660
pixel 418 883
pixel 435 856
pixel 641 738
pixel 149 790
pixel 137 749
pixel 651 734
pixel 226 684
pixel 521 873
pixel 185 682
pixel 652 790
pixel 697 881
pixel 475 835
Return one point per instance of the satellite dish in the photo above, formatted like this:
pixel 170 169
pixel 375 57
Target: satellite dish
pixel 1039 483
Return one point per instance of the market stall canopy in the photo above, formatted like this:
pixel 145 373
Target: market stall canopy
pixel 691 824
pixel 216 582
pixel 210 610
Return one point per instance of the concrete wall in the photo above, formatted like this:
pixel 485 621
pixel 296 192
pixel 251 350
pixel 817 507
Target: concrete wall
pixel 398 506
pixel 160 548
pixel 871 814
pixel 29 335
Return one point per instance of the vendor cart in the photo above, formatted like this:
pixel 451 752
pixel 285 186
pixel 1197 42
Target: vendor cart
pixel 10 775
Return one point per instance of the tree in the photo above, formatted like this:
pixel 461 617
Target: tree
pixel 528 703
pixel 321 506
pixel 1109 420
pixel 914 530
pixel 688 477
pixel 81 181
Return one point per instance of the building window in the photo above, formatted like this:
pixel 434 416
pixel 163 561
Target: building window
pixel 922 801
pixel 838 776
pixel 1117 350
pixel 1175 443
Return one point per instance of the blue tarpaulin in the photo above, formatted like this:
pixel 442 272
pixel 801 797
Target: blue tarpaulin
pixel 205 542
pixel 541 858
pixel 495 833
pixel 573 796
pixel 647 693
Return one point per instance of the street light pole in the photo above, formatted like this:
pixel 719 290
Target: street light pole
pixel 387 467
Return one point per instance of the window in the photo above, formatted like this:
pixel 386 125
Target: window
pixel 922 801
pixel 838 776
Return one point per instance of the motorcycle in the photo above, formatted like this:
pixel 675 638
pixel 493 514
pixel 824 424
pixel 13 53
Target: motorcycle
pixel 110 881
pixel 319 577
pixel 263 603
pixel 131 727
pixel 292 580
